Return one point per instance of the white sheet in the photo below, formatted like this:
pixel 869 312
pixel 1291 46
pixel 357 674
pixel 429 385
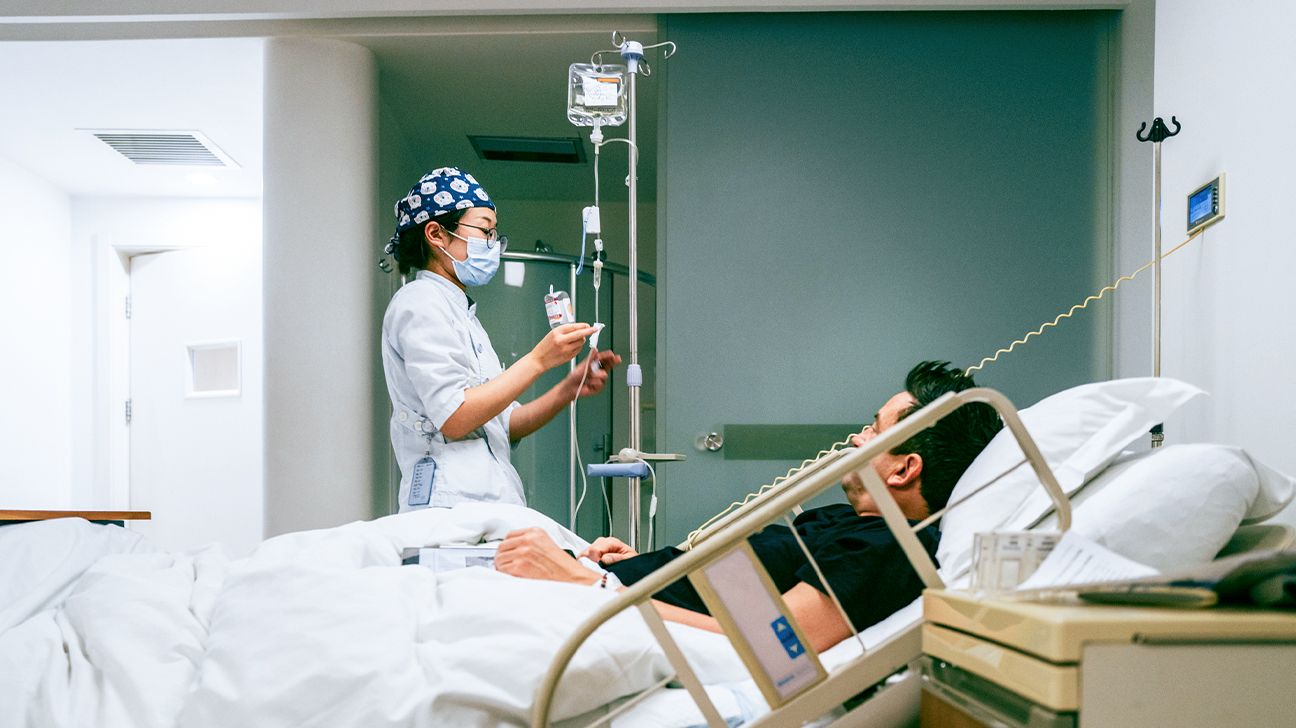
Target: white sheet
pixel 740 701
pixel 317 628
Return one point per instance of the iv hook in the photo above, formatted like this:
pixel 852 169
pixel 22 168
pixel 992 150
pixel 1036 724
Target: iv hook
pixel 619 40
pixel 669 45
pixel 1159 130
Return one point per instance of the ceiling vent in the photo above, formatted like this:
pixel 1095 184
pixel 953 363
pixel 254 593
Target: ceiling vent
pixel 174 148
pixel 561 150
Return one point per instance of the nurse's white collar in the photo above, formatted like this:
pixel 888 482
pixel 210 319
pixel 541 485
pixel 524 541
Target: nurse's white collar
pixel 456 294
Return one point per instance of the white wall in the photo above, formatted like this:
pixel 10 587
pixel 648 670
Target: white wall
pixel 1131 192
pixel 100 224
pixel 1226 73
pixel 321 309
pixel 35 328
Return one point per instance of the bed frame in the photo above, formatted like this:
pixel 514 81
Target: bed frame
pixel 870 668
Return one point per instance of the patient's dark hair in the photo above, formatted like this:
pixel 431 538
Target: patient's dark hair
pixel 411 246
pixel 948 447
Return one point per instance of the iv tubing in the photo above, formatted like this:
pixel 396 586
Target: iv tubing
pixel 579 463
pixel 580 266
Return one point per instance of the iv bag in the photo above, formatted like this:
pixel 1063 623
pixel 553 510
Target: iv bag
pixel 596 93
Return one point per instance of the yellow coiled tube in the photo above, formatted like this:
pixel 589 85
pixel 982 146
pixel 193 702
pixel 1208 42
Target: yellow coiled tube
pixel 692 537
pixel 1078 307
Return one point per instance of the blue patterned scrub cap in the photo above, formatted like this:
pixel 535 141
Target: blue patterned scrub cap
pixel 442 190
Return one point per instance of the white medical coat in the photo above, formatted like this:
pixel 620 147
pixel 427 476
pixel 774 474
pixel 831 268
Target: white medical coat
pixel 433 348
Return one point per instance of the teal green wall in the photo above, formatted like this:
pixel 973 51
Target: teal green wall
pixel 844 195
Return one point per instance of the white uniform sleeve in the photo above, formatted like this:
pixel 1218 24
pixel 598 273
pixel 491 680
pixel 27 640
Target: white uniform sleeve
pixel 508 420
pixel 437 360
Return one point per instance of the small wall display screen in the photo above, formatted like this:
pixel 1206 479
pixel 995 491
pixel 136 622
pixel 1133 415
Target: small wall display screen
pixel 1201 205
pixel 1206 204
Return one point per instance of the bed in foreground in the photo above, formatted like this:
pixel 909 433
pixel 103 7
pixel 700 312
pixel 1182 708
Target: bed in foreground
pixel 326 628
pixel 97 627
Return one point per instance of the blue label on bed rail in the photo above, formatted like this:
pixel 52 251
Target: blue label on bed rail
pixel 787 637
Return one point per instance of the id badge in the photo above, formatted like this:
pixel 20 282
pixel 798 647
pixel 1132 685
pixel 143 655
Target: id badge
pixel 420 493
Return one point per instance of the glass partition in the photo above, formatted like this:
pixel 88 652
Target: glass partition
pixel 512 311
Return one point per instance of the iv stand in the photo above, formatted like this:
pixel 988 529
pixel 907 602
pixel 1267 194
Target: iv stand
pixel 633 54
pixel 1158 134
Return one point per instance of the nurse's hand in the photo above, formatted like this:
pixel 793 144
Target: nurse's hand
pixel 531 554
pixel 593 379
pixel 561 344
pixel 608 550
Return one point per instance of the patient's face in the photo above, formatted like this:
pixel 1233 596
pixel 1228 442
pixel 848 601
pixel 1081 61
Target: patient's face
pixel 884 419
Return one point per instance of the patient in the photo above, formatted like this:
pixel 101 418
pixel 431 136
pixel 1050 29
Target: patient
pixel 851 543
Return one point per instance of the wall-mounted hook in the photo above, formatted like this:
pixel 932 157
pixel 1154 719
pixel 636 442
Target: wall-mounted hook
pixel 1159 130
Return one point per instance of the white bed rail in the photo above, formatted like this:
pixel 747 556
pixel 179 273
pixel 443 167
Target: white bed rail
pixel 862 672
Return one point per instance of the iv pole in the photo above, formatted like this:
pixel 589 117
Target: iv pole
pixel 633 53
pixel 631 462
pixel 1158 134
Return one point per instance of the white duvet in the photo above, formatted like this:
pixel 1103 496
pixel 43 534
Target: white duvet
pixel 320 628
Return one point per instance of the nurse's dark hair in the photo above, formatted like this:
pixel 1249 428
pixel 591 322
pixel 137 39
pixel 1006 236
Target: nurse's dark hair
pixel 948 447
pixel 411 246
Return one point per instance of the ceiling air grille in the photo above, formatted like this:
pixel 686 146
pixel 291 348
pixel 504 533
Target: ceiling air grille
pixel 562 150
pixel 179 148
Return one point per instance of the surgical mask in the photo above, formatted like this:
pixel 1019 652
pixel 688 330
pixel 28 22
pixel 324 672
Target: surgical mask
pixel 479 267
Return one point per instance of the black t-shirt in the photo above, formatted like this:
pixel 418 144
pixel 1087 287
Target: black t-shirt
pixel 858 555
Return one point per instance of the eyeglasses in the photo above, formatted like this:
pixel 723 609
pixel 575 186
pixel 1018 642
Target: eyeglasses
pixel 492 234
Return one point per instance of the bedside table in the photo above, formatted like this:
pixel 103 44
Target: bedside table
pixel 1005 663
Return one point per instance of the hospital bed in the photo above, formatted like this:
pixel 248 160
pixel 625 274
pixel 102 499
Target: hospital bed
pixel 876 682
pixel 100 627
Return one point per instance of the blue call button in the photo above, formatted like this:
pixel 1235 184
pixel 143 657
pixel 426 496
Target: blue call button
pixel 787 637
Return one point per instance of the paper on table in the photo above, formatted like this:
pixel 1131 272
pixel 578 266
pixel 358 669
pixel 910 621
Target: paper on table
pixel 1078 560
pixel 449 558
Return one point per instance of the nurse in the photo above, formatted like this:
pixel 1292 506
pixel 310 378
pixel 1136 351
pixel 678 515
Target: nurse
pixel 454 408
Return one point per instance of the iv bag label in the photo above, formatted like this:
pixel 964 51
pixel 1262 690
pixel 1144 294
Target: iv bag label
pixel 600 91
pixel 421 481
pixel 558 308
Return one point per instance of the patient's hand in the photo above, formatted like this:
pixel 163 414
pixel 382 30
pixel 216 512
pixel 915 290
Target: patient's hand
pixel 608 550
pixel 531 554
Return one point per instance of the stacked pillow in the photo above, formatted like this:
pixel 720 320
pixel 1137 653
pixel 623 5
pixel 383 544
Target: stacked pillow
pixel 1167 508
pixel 1079 431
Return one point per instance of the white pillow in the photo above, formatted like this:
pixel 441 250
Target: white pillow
pixel 1276 492
pixel 1170 508
pixel 1079 431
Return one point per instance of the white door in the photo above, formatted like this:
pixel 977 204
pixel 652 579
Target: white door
pixel 195 386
